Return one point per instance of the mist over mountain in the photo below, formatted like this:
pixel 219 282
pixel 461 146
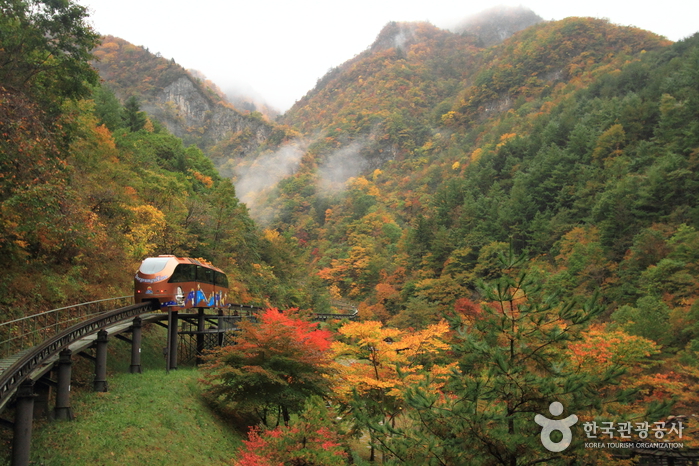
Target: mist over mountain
pixel 496 24
pixel 413 86
pixel 247 99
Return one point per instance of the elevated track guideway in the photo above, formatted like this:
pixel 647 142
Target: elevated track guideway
pixel 27 373
pixel 33 348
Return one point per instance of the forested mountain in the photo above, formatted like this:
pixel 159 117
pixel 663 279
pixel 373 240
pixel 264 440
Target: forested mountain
pixel 185 102
pixel 89 187
pixel 573 141
pixel 430 120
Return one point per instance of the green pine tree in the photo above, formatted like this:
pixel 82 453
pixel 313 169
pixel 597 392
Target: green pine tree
pixel 134 118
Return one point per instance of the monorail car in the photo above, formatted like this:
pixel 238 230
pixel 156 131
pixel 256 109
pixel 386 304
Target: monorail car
pixel 180 283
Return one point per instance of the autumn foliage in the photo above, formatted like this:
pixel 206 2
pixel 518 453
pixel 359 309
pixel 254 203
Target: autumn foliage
pixel 375 360
pixel 312 440
pixel 272 369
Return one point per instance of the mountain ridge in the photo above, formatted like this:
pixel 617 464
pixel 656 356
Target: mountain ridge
pixel 188 106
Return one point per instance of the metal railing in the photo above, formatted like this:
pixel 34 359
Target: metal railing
pixel 19 334
pixel 333 316
pixel 344 305
pixel 42 353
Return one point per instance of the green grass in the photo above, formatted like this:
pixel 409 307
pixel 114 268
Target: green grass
pixel 152 418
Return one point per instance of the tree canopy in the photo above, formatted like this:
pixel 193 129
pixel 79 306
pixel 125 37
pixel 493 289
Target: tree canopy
pixel 273 368
pixel 45 48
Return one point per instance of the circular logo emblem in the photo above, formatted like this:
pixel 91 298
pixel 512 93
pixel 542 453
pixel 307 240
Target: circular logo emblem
pixel 561 425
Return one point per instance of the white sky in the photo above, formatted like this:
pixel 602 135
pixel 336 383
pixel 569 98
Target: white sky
pixel 280 48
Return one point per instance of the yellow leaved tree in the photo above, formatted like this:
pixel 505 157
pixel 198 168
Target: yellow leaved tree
pixel 375 363
pixel 145 230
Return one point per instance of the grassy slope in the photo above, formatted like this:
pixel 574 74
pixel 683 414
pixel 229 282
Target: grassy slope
pixel 153 418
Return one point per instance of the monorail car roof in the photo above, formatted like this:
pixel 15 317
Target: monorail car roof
pixel 152 265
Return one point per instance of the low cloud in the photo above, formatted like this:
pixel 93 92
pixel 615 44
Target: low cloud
pixel 402 38
pixel 264 173
pixel 340 166
pixel 254 181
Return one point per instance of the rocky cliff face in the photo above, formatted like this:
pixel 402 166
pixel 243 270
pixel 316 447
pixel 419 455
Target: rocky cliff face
pixel 182 102
pixel 188 112
pixel 190 107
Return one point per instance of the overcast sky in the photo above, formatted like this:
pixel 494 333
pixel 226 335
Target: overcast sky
pixel 280 48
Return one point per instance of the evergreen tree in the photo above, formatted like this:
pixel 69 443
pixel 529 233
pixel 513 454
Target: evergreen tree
pixel 134 118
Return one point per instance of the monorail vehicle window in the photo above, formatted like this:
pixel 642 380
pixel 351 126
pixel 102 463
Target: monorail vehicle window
pixel 192 273
pixel 221 280
pixel 183 273
pixel 205 275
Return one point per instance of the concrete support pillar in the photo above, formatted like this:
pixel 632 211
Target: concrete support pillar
pixel 42 398
pixel 172 339
pixel 136 327
pixel 201 323
pixel 63 410
pixel 100 382
pixel 220 323
pixel 24 415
